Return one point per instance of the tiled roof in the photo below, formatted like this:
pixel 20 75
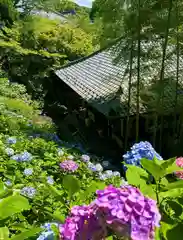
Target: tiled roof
pixel 97 79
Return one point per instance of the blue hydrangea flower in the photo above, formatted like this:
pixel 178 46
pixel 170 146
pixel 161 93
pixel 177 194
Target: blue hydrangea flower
pixel 102 176
pixel 70 157
pixel 16 157
pixel 99 167
pixel 50 180
pixel 9 151
pixel 47 226
pixel 8 182
pixel 116 174
pixel 106 163
pixel 28 171
pixel 22 157
pixel 138 151
pixel 28 192
pixel 109 173
pixel 11 140
pixel 25 156
pixel 85 158
pixel 91 166
pixel 60 152
pixel 47 235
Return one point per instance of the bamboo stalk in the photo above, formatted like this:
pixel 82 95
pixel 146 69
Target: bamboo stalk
pixel 177 69
pixel 162 71
pixel 129 96
pixel 138 73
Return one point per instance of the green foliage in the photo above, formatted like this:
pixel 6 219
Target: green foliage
pixel 35 134
pixel 8 13
pixel 36 46
pixel 167 194
pixel 12 205
pixel 71 184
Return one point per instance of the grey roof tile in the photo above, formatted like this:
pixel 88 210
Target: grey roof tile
pixel 97 78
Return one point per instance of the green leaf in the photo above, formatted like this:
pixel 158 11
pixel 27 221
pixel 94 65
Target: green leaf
pixel 173 193
pixel 12 205
pixel 157 234
pixel 71 184
pixel 148 191
pixel 26 234
pixel 177 184
pixel 174 232
pixel 165 227
pixel 1 186
pixel 109 238
pixel 153 168
pixel 4 233
pixel 54 191
pixel 58 216
pixel 167 163
pixel 91 189
pixel 136 176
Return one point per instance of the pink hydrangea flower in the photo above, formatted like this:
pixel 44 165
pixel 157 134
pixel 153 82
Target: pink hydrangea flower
pixel 127 211
pixel 179 163
pixel 69 166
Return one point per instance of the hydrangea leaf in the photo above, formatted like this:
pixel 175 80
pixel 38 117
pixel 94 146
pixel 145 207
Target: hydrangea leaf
pixel 91 189
pixel 4 233
pixel 1 186
pixel 54 191
pixel 174 185
pixel 71 184
pixel 57 216
pixel 12 205
pixel 170 166
pixel 136 176
pixel 26 234
pixel 173 193
pixel 171 231
pixel 153 168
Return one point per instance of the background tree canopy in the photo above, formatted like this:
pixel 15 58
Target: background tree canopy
pixel 31 47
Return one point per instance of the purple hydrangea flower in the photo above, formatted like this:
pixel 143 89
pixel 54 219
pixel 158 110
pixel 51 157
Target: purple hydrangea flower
pixel 11 140
pixel 126 206
pixel 138 151
pixel 28 171
pixel 50 180
pixel 28 192
pixel 69 166
pixel 85 158
pixel 9 151
pixel 82 224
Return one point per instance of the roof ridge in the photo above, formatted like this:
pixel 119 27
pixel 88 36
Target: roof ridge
pixel 92 54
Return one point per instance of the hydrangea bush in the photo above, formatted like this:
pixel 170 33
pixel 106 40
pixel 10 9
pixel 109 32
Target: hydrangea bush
pixel 50 189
